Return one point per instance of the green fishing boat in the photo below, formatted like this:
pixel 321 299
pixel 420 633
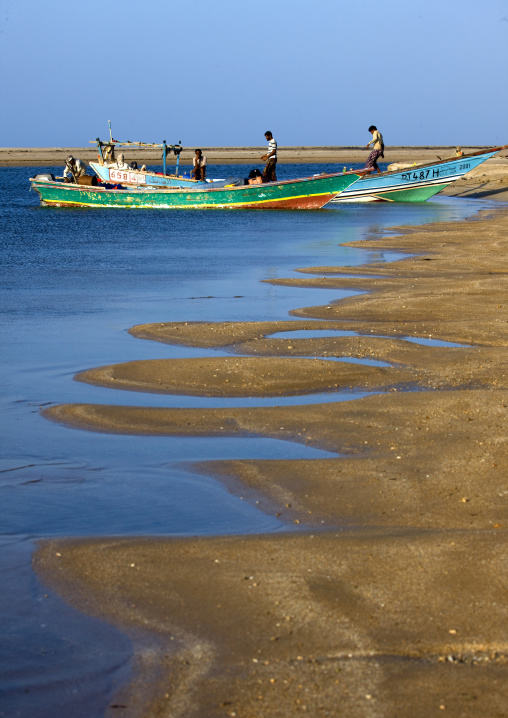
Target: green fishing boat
pixel 303 193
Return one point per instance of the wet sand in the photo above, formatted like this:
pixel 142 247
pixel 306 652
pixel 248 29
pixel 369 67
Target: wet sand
pixel 362 623
pixel 387 594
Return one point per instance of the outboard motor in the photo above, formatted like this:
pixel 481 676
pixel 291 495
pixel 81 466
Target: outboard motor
pixel 46 177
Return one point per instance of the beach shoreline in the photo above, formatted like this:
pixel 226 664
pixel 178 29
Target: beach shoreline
pixel 390 598
pixel 54 156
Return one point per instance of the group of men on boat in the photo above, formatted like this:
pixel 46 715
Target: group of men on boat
pixel 76 168
pixel 198 171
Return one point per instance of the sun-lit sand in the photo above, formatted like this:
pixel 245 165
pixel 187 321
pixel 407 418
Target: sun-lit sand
pixel 391 597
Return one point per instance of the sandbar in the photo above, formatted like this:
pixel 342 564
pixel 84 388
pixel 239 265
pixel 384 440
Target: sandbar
pixel 387 593
pixel 53 156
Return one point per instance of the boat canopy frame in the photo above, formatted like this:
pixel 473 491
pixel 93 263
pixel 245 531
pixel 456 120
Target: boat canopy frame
pixel 166 149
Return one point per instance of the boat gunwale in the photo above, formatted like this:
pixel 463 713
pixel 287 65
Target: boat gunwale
pixel 208 190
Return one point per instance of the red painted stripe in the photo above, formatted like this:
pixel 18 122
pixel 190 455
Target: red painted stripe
pixel 292 203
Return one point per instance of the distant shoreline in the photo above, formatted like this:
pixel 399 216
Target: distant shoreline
pixel 55 156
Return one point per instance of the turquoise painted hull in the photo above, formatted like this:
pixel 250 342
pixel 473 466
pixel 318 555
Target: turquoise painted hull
pixel 305 193
pixel 414 184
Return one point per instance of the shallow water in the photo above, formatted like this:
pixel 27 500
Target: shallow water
pixel 72 283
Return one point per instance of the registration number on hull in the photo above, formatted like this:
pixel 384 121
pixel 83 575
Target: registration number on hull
pixel 126 176
pixel 434 172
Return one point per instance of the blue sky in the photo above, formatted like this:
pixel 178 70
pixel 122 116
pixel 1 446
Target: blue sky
pixel 221 72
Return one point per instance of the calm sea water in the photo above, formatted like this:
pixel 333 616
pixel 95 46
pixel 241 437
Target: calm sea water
pixel 72 283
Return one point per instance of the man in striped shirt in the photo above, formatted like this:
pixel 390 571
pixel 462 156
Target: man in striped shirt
pixel 271 155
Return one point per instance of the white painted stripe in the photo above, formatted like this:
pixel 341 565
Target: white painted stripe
pixel 393 188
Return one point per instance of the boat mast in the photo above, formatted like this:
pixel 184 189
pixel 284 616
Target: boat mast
pixel 177 149
pixel 165 149
pixel 99 147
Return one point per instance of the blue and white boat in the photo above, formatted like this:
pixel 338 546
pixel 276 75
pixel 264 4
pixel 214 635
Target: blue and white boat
pixel 415 183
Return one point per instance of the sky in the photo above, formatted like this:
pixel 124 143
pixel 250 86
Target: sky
pixel 222 72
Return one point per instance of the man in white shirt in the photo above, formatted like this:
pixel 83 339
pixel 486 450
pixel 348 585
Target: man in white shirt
pixel 269 174
pixel 119 164
pixel 76 168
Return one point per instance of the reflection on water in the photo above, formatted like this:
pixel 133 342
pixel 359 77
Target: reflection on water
pixel 72 283
pixel 320 333
pixel 429 341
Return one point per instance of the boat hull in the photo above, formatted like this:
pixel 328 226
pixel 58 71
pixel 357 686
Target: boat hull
pixel 414 184
pixel 305 193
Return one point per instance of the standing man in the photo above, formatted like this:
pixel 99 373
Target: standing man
pixel 377 151
pixel 271 155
